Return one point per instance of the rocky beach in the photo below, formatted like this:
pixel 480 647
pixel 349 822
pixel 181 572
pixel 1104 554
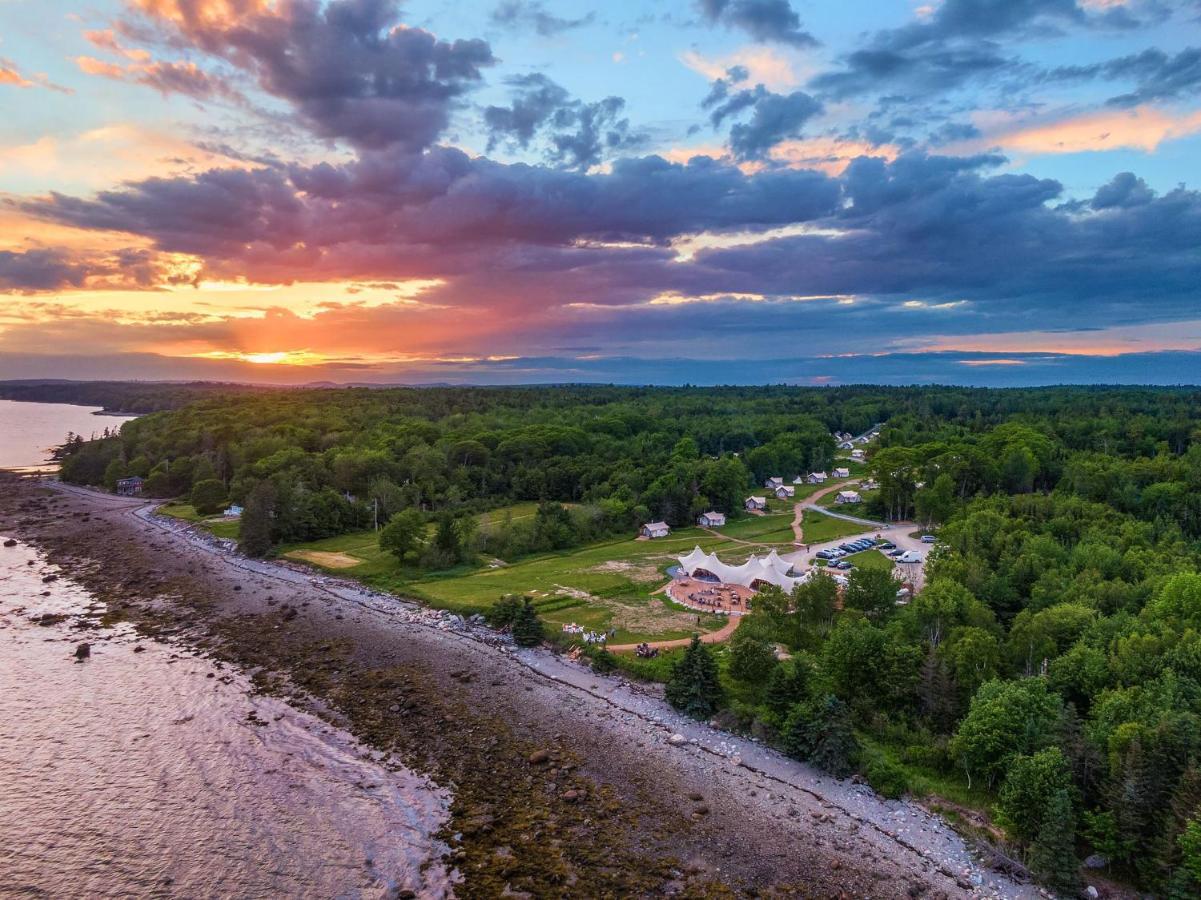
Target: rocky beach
pixel 560 782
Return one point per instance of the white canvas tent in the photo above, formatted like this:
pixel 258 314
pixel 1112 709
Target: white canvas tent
pixel 770 569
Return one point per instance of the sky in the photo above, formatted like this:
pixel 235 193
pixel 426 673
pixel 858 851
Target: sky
pixel 996 192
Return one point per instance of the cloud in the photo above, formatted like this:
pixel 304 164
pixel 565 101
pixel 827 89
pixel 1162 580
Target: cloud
pixel 1141 128
pixel 1125 190
pixel 165 77
pixel 762 65
pixel 530 14
pixel 773 118
pixel 1157 76
pixel 579 135
pixel 37 270
pixel 763 20
pixel 956 42
pixel 349 67
pixel 10 76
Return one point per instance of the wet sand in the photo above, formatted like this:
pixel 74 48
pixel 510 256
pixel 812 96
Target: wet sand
pixel 563 782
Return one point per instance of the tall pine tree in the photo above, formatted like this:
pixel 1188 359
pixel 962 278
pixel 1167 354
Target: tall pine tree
pixel 694 687
pixel 527 627
pixel 1053 853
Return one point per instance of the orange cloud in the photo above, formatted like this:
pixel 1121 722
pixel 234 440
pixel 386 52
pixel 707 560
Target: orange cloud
pixel 768 66
pixel 129 152
pixel 828 154
pixel 10 75
pixel 204 13
pixel 1141 128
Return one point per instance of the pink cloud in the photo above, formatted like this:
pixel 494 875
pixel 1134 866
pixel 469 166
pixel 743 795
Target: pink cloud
pixel 1141 128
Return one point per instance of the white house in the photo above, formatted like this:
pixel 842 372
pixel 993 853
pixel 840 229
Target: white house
pixel 842 472
pixel 848 497
pixel 870 484
pixel 774 482
pixel 845 445
pixel 233 511
pixel 862 439
pixel 857 454
pixel 800 479
pixel 753 503
pixel 784 491
pixel 711 520
pixel 817 477
pixel 655 530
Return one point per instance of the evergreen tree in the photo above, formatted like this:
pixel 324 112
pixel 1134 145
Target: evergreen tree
pixel 256 529
pixel 787 686
pixel 694 687
pixel 938 693
pixel 835 748
pixel 527 627
pixel 1053 853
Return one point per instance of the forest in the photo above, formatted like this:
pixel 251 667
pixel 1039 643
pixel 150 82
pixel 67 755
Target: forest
pixel 1048 675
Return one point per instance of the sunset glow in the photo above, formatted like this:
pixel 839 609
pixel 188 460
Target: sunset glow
pixel 247 186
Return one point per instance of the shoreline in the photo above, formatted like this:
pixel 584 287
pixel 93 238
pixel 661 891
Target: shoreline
pixel 610 811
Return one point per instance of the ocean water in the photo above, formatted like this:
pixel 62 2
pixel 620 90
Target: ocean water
pixel 28 431
pixel 157 772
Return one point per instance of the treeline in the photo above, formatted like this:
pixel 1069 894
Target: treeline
pixel 617 456
pixel 133 397
pixel 1052 660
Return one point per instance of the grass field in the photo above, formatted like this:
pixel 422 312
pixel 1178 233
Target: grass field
pixel 774 527
pixel 818 527
pixel 870 559
pixel 219 526
pixel 610 584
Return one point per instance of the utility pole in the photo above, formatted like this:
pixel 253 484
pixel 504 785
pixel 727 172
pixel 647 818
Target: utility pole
pixel 375 505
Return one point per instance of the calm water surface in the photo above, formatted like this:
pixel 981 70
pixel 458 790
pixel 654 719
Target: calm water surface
pixel 157 773
pixel 28 431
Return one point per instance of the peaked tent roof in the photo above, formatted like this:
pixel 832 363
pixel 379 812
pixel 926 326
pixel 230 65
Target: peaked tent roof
pixel 768 568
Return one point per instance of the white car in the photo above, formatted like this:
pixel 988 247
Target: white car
pixel 910 556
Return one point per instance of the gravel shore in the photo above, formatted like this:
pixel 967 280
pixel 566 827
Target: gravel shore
pixel 565 783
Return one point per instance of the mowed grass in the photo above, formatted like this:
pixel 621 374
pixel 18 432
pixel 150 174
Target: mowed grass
pixel 818 527
pixel 776 526
pixel 870 559
pixel 218 525
pixel 609 584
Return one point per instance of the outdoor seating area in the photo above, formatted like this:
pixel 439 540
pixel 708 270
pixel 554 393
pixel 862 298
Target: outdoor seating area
pixel 588 636
pixel 710 597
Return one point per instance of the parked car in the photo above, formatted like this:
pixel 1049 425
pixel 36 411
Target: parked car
pixel 895 553
pixel 928 539
pixel 910 556
pixel 886 545
pixel 823 554
pixel 842 564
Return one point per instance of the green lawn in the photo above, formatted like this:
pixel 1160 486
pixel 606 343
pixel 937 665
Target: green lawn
pixel 870 559
pixel 830 501
pixel 773 527
pixel 603 585
pixel 818 527
pixel 219 526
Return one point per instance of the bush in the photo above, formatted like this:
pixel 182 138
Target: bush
pixel 208 496
pixel 887 778
pixel 504 611
pixel 603 662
